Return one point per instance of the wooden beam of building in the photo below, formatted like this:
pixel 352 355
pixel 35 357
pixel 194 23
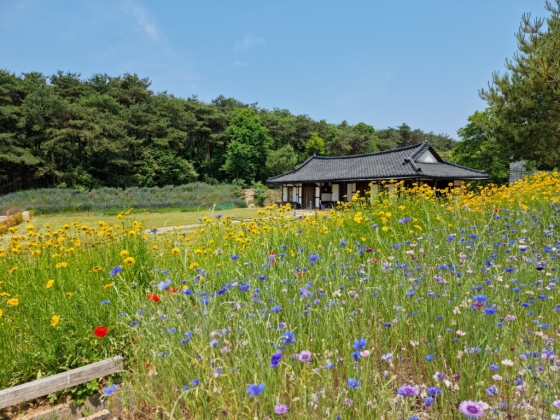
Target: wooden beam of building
pixel 59 382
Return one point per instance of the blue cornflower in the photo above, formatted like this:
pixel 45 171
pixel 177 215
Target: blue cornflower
pixel 429 357
pixel 275 359
pixel 134 323
pixel 480 298
pixel 185 388
pixel 356 355
pixel 105 302
pixel 360 344
pixel 288 337
pixel 353 383
pixel 492 390
pixel 329 366
pixel 195 382
pixel 428 402
pixel 494 367
pixel 490 311
pixel 253 390
pixel 405 220
pixel 276 309
pixel 434 390
pixel 115 270
pixel 110 390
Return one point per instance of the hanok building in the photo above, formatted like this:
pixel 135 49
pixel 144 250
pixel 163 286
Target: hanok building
pixel 322 181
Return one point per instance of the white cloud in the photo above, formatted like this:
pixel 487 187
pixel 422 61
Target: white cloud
pixel 249 41
pixel 238 63
pixel 141 16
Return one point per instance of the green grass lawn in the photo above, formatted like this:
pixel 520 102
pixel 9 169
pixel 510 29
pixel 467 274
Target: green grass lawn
pixel 149 221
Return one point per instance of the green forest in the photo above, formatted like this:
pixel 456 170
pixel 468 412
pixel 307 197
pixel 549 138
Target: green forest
pixel 114 131
pixel 66 131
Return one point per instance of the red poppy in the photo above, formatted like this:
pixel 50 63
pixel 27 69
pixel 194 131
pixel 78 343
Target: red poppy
pixel 153 296
pixel 172 290
pixel 101 331
pixel 496 210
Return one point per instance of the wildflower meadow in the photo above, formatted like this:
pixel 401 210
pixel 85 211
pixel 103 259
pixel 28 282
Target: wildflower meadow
pixel 407 305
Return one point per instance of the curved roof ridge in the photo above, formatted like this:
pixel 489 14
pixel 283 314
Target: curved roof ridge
pixel 464 167
pixel 400 149
pixel 309 159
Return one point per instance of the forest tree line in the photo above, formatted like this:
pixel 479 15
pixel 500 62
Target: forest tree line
pixel 66 131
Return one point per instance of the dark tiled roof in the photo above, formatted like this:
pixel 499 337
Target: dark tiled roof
pixel 392 164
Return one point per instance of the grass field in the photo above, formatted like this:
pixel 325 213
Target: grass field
pixel 413 307
pixel 148 220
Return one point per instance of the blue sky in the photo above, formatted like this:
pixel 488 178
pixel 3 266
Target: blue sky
pixel 383 62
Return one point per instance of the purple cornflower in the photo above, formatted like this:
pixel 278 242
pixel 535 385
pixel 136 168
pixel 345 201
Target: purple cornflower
pixel 164 285
pixel 360 344
pixel 305 293
pixel 473 409
pixel 405 220
pixel 387 357
pixel 275 359
pixel 253 390
pixel 305 356
pixel 408 390
pixel 281 409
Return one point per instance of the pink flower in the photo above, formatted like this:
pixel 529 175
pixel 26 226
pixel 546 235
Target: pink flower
pixel 281 409
pixel 305 356
pixel 473 409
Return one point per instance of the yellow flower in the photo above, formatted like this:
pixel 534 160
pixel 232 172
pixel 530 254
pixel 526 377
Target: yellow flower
pixel 193 266
pixel 29 227
pixel 36 253
pixel 11 270
pixel 62 264
pixel 155 247
pixel 48 226
pixel 175 251
pixel 97 269
pixel 124 253
pixel 49 284
pixel 4 294
pixel 70 294
pixel 54 320
pixel 107 286
pixel 13 302
pixel 385 228
pixel 1 312
pixel 129 261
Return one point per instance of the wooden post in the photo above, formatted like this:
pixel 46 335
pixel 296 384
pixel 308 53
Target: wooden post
pixel 60 381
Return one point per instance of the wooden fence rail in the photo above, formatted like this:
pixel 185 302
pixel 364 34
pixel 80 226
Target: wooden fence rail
pixel 60 381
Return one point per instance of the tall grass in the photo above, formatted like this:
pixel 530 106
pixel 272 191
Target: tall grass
pixel 54 200
pixel 333 314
